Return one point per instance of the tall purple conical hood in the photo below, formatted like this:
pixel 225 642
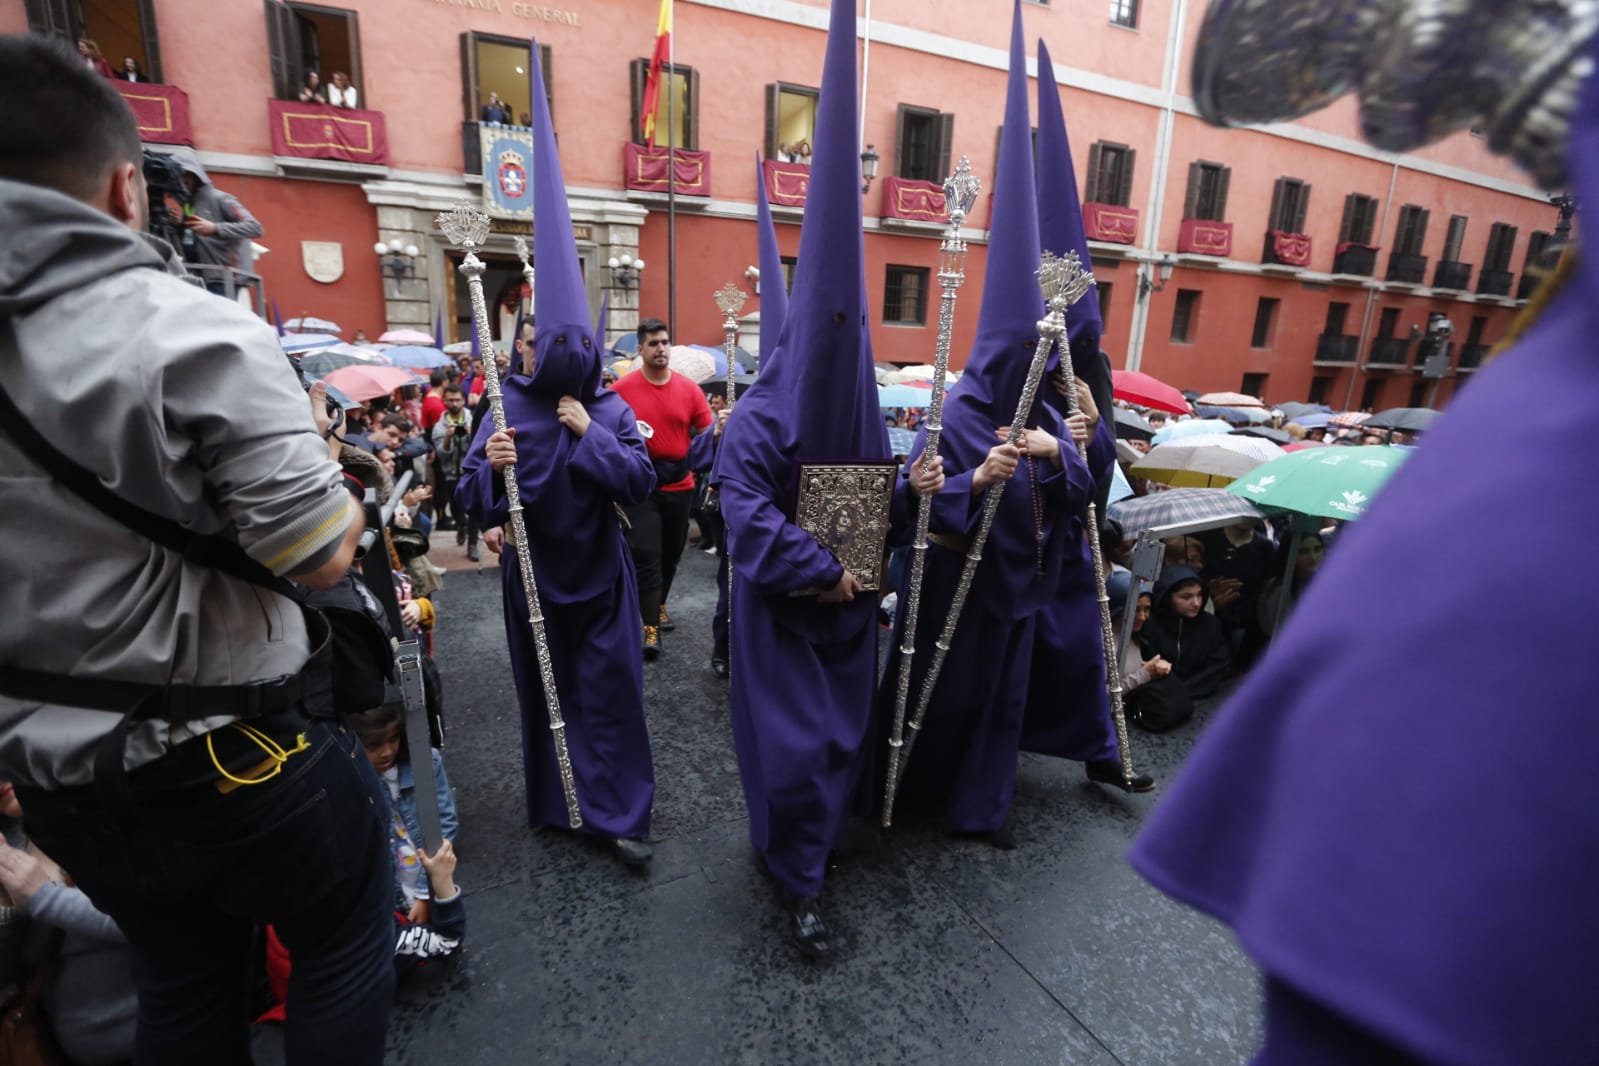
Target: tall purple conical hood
pixel 774 290
pixel 1060 212
pixel 603 321
pixel 1007 328
pixel 818 397
pixel 566 357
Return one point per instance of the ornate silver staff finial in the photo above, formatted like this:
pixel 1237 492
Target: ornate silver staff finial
pixel 730 299
pixel 960 192
pixel 525 255
pixel 465 225
pixel 1063 280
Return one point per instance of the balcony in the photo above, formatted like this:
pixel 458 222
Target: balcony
pixel 1495 283
pixel 1452 275
pixel 1529 284
pixel 1199 237
pixel 1337 348
pixel 1407 269
pixel 162 111
pixel 1359 260
pixel 909 200
pixel 1286 249
pixel 646 169
pixel 1390 351
pixel 1110 223
pixel 786 183
pixel 1472 356
pixel 340 135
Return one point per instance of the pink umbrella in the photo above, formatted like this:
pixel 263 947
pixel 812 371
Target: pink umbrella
pixel 1301 445
pixel 369 382
pixel 406 336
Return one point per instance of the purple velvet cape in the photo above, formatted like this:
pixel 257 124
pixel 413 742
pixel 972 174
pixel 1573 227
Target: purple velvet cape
pixel 1398 818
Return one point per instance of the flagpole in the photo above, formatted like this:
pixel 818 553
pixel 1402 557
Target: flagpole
pixel 671 170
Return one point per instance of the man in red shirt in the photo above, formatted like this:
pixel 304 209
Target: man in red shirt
pixel 671 410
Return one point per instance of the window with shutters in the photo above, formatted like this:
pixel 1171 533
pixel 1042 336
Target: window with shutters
pixel 905 296
pixel 1207 191
pixel 1337 317
pixel 1371 392
pixel 1124 13
pixel 1110 174
pixel 1265 324
pixel 1290 202
pixel 677 105
pixel 499 65
pixel 1454 238
pixel 1185 316
pixel 1253 385
pixel 790 262
pixel 306 39
pixel 124 29
pixel 1360 219
pixel 1537 249
pixel 1104 288
pixel 1411 232
pixel 1319 387
pixel 921 144
pixel 1501 243
pixel 790 122
pixel 1388 322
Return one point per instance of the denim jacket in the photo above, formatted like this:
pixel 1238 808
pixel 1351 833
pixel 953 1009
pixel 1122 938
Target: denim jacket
pixel 449 821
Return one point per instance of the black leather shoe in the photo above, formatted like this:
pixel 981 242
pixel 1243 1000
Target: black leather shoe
pixel 632 852
pixel 666 624
pixel 1109 772
pixel 1001 838
pixel 805 925
pixel 472 553
pixel 719 668
pixel 652 644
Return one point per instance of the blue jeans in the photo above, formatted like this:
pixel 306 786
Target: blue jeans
pixel 188 873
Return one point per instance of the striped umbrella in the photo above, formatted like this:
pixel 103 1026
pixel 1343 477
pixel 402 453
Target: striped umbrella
pixel 1176 506
pixel 1348 419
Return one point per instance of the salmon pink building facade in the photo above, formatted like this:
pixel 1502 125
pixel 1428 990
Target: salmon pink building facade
pixel 1294 263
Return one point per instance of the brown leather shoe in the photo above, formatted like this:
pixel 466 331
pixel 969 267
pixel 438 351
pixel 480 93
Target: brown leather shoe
pixel 652 643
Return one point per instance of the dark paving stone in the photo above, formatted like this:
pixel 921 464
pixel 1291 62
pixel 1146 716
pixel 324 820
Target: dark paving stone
pixel 951 952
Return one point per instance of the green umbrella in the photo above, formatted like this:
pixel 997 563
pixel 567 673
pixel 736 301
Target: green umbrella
pixel 1321 482
pixel 1317 483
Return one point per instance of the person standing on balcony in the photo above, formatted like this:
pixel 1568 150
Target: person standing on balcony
pixel 221 225
pixel 341 93
pixel 496 111
pixel 311 92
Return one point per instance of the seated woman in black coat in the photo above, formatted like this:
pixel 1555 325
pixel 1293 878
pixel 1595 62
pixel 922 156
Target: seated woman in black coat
pixel 1182 633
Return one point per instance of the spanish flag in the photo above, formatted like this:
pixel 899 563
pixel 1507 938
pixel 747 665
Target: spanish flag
pixel 652 83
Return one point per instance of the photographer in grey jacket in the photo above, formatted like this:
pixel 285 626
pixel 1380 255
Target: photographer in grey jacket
pixel 222 226
pixel 167 723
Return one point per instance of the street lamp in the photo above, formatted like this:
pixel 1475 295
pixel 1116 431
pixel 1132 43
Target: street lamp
pixel 1163 269
pixel 398 261
pixel 752 274
pixel 869 160
pixel 625 272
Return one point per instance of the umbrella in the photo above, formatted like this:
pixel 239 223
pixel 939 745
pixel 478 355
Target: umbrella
pixel 718 386
pixel 407 336
pixel 1313 421
pixel 1405 419
pixel 1205 462
pixel 370 382
pixel 1276 436
pixel 1249 415
pixel 903 396
pixel 299 342
pixel 1178 506
pixel 1119 487
pixel 1301 445
pixel 319 362
pixel 1131 425
pixel 1347 418
pixel 910 375
pixel 1145 391
pixel 502 346
pixel 307 324
pixel 1321 482
pixel 1229 399
pixel 901 441
pixel 695 364
pixel 416 357
pixel 1194 427
pixel 627 344
pixel 741 359
pixel 1292 411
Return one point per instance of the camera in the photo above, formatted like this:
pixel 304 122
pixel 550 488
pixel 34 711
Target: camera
pixel 163 180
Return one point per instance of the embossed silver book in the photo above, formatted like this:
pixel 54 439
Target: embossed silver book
pixel 846 506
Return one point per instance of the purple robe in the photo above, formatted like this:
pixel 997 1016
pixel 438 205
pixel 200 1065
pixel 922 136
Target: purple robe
pixel 590 599
pixel 1398 818
pixel 1068 705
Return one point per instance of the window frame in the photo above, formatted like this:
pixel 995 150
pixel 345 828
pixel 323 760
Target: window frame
pixel 1290 205
pixel 1320 385
pixel 1264 334
pixel 1501 247
pixel 1194 206
pixel 1413 221
pixel 1185 309
pixel 1388 321
pixel 64 18
pixel 938 152
pixel 1122 194
pixel 774 94
pixel 286 47
pixel 1360 220
pixel 893 286
pixel 1455 239
pixel 1249 379
pixel 1538 242
pixel 1124 13
pixel 638 75
pixel 1342 317
pixel 1104 290
pixel 470 87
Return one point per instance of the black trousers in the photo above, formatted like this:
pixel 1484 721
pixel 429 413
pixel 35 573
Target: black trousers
pixel 659 533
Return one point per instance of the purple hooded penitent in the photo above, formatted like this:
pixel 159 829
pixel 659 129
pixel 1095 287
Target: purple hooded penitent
pixel 967 752
pixel 1399 817
pixel 774 290
pixel 803 671
pixel 1068 706
pixel 569 486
